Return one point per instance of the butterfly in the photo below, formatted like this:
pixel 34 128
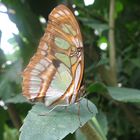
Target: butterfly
pixel 54 74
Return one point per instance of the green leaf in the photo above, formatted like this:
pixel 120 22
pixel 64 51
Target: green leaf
pixel 136 62
pixel 17 99
pixel 119 6
pixel 102 40
pixel 2 57
pixel 10 133
pixel 96 87
pixel 5 89
pixel 14 73
pixel 94 24
pixel 1 130
pixel 12 41
pixel 56 124
pixel 125 94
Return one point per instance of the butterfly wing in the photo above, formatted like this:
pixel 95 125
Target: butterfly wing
pixel 55 72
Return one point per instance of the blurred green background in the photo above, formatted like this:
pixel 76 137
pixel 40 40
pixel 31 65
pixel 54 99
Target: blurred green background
pixel 112 60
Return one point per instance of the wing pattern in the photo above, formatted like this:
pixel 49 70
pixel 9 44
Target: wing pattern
pixel 55 72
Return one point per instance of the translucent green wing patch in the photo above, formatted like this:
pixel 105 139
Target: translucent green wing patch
pixel 63 58
pixel 68 29
pixel 61 43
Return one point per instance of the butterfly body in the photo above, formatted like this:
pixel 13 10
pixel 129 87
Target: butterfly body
pixel 55 72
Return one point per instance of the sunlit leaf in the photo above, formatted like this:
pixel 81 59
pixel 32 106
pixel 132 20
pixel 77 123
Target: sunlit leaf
pixel 2 57
pixel 12 41
pixel 119 6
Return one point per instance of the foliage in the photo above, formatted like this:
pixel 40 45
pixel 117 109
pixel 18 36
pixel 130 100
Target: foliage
pixel 118 108
pixel 51 126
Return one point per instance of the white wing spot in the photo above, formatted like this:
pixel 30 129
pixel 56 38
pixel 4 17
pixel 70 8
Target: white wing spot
pixel 43 52
pixel 44 46
pixel 60 12
pixel 44 62
pixel 40 67
pixel 56 15
pixel 35 78
pixel 35 83
pixel 34 73
pixel 34 89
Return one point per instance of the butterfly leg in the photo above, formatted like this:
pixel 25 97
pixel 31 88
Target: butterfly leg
pixel 66 108
pixel 87 103
pixel 82 89
pixel 89 108
pixel 79 114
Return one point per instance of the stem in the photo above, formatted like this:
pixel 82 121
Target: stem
pixel 90 132
pixel 112 57
pixel 97 125
pixel 14 116
pixel 111 36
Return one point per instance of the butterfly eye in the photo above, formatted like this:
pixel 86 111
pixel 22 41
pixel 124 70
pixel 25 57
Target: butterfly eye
pixel 75 51
pixel 79 49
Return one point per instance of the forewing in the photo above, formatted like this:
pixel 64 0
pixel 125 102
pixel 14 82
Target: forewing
pixel 55 72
